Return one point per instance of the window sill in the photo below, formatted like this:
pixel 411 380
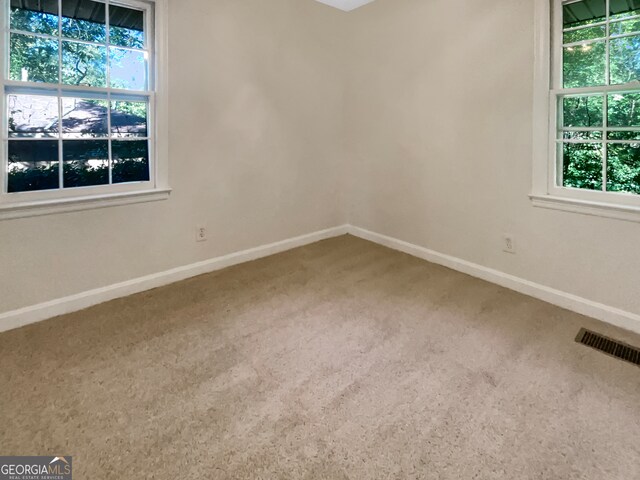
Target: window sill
pixel 75 204
pixel 585 207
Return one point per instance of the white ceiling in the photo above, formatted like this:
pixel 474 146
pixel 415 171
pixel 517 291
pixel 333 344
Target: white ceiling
pixel 346 5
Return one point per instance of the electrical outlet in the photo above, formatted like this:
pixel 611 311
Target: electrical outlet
pixel 508 243
pixel 201 234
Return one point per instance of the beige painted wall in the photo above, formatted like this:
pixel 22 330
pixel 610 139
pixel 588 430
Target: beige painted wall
pixel 410 118
pixel 440 132
pixel 256 98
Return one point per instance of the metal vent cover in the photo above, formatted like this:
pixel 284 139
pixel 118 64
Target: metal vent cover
pixel 609 346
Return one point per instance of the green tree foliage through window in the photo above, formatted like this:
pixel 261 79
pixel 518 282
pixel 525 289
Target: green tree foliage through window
pixel 82 45
pixel 599 133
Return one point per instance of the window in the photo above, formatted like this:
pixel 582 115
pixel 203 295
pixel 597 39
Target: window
pixel 593 93
pixel 79 93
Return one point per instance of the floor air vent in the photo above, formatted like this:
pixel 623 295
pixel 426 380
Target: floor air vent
pixel 609 346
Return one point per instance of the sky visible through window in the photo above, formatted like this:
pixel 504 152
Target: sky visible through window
pixel 84 44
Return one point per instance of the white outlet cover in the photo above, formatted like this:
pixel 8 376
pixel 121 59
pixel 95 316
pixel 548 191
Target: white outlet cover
pixel 508 243
pixel 346 5
pixel 201 234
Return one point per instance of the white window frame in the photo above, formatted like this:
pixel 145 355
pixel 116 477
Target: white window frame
pixel 547 77
pixel 44 202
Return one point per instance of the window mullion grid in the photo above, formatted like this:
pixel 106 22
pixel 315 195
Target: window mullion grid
pixel 559 141
pixel 605 135
pixel 605 102
pixel 558 84
pixel 47 36
pixel 70 88
pixel 583 43
pixel 4 124
pixel 109 136
pixel 558 50
pixel 59 91
pixel 605 99
pixel 108 66
pixel 581 27
pixel 600 129
pixel 599 39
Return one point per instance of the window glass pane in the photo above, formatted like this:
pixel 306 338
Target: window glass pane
pixel 128 69
pixel 582 165
pixel 33 59
pixel 624 110
pixel 585 34
pixel 86 162
pixel 623 167
pixel 84 118
pixel 624 135
pixel 33 165
pixel 584 66
pixel 620 28
pixel 35 16
pixel 84 64
pixel 582 111
pixel 586 12
pixel 630 13
pixel 130 161
pixel 625 59
pixel 33 116
pixel 582 135
pixel 84 20
pixel 623 8
pixel 126 27
pixel 128 119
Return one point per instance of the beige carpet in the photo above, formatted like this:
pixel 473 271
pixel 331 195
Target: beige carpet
pixel 340 360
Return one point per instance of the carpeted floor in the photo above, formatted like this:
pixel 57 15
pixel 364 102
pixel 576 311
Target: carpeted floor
pixel 340 360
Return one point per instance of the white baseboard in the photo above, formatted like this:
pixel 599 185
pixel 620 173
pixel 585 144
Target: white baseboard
pixel 73 303
pixel 43 311
pixel 614 316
